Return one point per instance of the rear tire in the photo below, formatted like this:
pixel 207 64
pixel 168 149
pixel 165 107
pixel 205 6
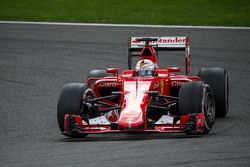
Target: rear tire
pixel 196 97
pixel 70 102
pixel 217 78
pixel 96 74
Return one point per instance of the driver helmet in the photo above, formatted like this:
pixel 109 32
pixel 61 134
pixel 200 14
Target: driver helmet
pixel 145 67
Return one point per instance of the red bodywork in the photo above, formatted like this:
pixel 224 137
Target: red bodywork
pixel 135 98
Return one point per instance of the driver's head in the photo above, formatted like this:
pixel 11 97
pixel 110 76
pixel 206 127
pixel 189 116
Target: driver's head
pixel 145 67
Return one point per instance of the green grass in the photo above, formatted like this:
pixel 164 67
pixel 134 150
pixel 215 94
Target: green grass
pixel 163 12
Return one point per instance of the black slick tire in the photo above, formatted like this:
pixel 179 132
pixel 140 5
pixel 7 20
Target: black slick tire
pixel 96 74
pixel 70 102
pixel 196 97
pixel 217 78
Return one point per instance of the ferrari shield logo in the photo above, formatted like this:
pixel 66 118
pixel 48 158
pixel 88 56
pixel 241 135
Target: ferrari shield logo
pixel 162 86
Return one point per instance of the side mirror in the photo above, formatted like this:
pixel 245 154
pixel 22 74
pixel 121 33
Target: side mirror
pixel 174 69
pixel 112 70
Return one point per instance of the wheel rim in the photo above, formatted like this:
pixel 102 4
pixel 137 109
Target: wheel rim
pixel 209 108
pixel 86 96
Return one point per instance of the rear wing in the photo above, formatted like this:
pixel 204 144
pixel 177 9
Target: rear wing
pixel 160 43
pixel 164 43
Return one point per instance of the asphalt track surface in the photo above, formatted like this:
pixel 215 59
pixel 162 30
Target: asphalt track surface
pixel 37 60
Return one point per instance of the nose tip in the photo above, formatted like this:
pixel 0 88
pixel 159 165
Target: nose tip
pixel 130 123
pixel 130 118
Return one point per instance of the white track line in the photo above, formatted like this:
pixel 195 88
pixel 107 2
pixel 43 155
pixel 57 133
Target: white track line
pixel 124 25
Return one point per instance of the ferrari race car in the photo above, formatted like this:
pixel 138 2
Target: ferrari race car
pixel 145 98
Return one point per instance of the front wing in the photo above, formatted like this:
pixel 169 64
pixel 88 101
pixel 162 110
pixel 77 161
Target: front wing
pixel 189 124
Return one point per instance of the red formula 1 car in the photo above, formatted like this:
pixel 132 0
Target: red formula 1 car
pixel 146 98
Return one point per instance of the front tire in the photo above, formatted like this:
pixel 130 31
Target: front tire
pixel 208 108
pixel 70 102
pixel 196 97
